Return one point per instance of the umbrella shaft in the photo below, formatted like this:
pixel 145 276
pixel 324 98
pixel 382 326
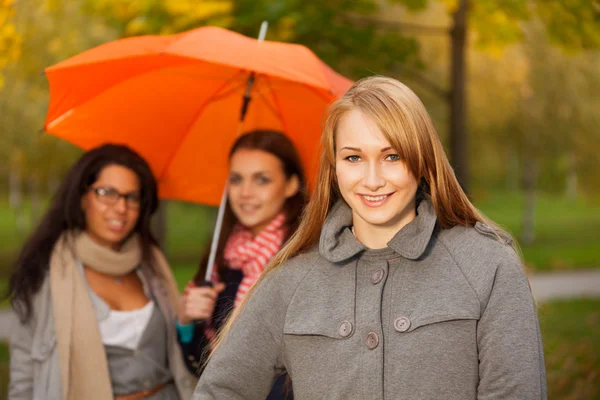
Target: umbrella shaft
pixel 216 235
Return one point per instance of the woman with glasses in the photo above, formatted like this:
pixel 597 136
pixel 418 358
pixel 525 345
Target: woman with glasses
pixel 95 296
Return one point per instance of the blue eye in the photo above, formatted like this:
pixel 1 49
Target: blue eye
pixel 263 180
pixel 353 159
pixel 393 157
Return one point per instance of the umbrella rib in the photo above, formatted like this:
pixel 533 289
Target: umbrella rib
pixel 277 108
pixel 219 96
pixel 193 122
pixel 261 94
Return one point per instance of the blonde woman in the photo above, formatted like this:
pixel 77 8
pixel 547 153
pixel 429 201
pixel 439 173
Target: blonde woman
pixel 394 286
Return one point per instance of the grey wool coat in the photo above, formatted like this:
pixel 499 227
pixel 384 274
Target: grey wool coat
pixel 438 314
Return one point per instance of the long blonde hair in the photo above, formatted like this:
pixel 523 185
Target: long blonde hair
pixel 406 124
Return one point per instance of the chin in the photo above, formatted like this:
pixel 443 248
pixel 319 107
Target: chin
pixel 248 223
pixel 379 217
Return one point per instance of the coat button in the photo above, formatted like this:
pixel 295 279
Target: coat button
pixel 372 340
pixel 402 324
pixel 345 329
pixel 377 276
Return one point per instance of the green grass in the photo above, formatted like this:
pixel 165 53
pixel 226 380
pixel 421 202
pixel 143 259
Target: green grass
pixel 4 370
pixel 570 331
pixel 565 229
pixel 184 273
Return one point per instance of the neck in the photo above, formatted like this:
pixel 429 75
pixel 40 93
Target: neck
pixel 378 236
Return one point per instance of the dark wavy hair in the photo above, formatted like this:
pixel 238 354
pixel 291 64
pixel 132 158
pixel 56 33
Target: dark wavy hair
pixel 65 214
pixel 279 145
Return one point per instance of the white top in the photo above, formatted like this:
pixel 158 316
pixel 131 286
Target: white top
pixel 122 328
pixel 125 328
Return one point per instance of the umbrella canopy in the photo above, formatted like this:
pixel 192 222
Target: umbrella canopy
pixel 177 100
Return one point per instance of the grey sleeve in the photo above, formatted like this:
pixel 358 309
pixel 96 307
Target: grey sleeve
pixel 21 364
pixel 249 359
pixel 511 355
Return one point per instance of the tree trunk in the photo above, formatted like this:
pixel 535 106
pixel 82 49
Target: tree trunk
pixel 512 172
pixel 571 186
pixel 459 145
pixel 530 174
pixel 15 195
pixel 36 201
pixel 15 199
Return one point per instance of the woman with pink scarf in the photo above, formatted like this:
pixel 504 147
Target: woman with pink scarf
pixel 266 194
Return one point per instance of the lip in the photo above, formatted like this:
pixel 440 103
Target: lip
pixel 248 208
pixel 116 228
pixel 375 201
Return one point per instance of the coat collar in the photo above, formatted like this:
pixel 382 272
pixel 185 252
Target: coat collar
pixel 337 243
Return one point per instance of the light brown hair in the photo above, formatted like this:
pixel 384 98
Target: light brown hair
pixel 406 124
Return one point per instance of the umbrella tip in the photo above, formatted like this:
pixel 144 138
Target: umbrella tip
pixel 263 31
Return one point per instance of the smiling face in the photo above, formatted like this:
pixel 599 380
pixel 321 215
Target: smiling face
pixel 110 218
pixel 373 179
pixel 258 187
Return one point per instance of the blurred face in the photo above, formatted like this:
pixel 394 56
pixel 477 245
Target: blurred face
pixel 112 206
pixel 374 181
pixel 258 187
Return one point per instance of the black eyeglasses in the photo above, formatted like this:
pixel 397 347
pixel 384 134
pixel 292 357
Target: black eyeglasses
pixel 110 197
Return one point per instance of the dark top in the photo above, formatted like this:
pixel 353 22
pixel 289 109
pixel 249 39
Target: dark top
pixel 145 367
pixel 196 351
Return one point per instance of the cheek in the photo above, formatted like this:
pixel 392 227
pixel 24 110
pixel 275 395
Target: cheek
pixel 232 192
pixel 134 216
pixel 274 193
pixel 93 213
pixel 400 177
pixel 347 177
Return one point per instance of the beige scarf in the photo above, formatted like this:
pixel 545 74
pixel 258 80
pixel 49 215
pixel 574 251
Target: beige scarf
pixel 83 366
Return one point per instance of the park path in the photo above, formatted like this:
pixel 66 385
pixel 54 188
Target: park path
pixel 545 286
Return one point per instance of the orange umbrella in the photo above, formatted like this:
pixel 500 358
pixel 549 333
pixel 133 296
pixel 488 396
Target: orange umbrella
pixel 177 100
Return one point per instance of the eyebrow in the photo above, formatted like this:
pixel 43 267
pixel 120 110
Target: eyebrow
pixel 357 149
pixel 256 173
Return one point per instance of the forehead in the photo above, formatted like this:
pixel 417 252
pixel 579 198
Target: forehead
pixel 357 130
pixel 247 162
pixel 118 177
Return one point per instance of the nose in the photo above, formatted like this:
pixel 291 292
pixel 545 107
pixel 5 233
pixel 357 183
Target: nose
pixel 373 178
pixel 246 189
pixel 121 205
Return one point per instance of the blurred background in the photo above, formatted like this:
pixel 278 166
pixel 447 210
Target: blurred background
pixel 513 87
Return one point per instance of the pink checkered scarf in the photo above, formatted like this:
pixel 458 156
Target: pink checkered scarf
pixel 251 254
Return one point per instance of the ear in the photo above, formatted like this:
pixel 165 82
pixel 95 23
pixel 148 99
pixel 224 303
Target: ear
pixel 292 186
